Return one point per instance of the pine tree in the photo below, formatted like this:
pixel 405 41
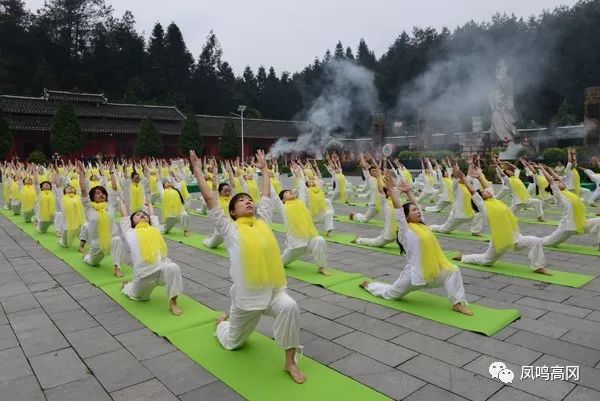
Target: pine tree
pixel 149 140
pixel 349 54
pixel 339 51
pixel 66 136
pixel 229 145
pixel 190 136
pixel 5 137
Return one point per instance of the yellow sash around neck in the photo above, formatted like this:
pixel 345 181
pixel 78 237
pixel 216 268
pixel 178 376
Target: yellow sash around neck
pixel 503 224
pixel 104 234
pixel 432 258
pixel 136 196
pixel 28 198
pixel 261 257
pixel 299 221
pixel 47 205
pixel 576 182
pixel 151 244
pixel 341 181
pixel 171 204
pixel 73 211
pixel 448 185
pixel 469 212
pixel 253 190
pixel 318 204
pixel 518 188
pixel 578 210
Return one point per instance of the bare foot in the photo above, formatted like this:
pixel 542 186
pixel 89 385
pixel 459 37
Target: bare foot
pixel 329 233
pixel 324 271
pixel 124 283
pixel 351 216
pixel 353 241
pixel 364 284
pixel 458 257
pixel 543 270
pixel 221 319
pixel 460 308
pixel 541 219
pixel 175 309
pixel 295 373
pixel 186 233
pixel 82 249
pixel 118 272
pixel 477 234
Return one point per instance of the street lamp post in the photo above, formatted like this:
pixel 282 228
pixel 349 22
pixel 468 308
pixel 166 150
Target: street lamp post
pixel 241 110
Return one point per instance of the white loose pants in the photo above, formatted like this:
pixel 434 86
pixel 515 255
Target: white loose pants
pixel 317 246
pixel 168 276
pixel 234 332
pixel 95 255
pixel 377 241
pixel 368 215
pixel 560 235
pixel 531 202
pixel 183 220
pixel 534 246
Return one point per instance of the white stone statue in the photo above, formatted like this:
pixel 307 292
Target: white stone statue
pixel 502 105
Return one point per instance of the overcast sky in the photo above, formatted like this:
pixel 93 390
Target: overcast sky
pixel 289 34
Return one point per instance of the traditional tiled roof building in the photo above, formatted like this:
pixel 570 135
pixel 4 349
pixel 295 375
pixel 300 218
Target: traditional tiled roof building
pixel 111 128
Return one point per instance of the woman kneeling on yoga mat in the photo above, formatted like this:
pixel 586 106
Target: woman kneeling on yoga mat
pixel 151 266
pixel 427 265
pixel 256 269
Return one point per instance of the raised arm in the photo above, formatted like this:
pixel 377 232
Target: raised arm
pixel 261 164
pixel 207 193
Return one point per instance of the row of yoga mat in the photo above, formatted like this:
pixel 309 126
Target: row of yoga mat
pixel 567 279
pixel 255 371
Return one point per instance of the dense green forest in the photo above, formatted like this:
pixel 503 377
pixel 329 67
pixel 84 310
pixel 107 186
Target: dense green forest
pixel 81 44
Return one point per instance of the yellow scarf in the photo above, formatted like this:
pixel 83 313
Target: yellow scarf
pixel 95 183
pixel 377 203
pixel 224 202
pixel 503 224
pixel 542 184
pixel 276 185
pixel 261 257
pixel 317 201
pixel 299 221
pixel 28 198
pixel 164 172
pixel 576 182
pixel 237 185
pixel 153 183
pixel 469 212
pixel 432 258
pixel 448 185
pixel 518 188
pixel 74 213
pixel 15 194
pixel 104 234
pixel 6 189
pixel 128 170
pixel 136 197
pixel 253 190
pixel 486 183
pixel 171 204
pixel 407 175
pixel 341 180
pixel 42 177
pixel 47 205
pixel 74 182
pixel 184 190
pixel 151 244
pixel 429 178
pixel 61 170
pixel 578 210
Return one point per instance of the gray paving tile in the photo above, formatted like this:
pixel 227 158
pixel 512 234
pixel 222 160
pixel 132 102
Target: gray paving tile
pixel 539 327
pixel 19 302
pixel 24 388
pixel 387 380
pixel 372 326
pixel 588 377
pixel 584 338
pixel 571 322
pixel 93 341
pixel 499 349
pixel 431 393
pixel 321 308
pixel 508 393
pixel 550 390
pixel 325 351
pixel 583 394
pixel 83 290
pixel 74 320
pixel 70 278
pixel 152 390
pixel 58 367
pixel 28 320
pixel 144 344
pixel 555 307
pixel 118 322
pixel 451 378
pixel 178 372
pixel 428 327
pixel 561 349
pixel 322 327
pixel 213 391
pixel 117 370
pixel 13 365
pixel 41 340
pixel 373 347
pixel 87 389
pixel 99 304
pixel 435 348
pixel 7 337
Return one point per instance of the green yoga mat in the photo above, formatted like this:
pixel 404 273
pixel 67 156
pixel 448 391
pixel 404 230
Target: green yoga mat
pixel 256 370
pixel 97 275
pixel 428 306
pixel 155 313
pixel 485 320
pixel 526 220
pixel 346 219
pixel 566 279
pixel 254 375
pixel 344 239
pixel 564 247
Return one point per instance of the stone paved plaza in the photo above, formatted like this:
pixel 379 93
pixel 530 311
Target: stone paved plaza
pixel 62 339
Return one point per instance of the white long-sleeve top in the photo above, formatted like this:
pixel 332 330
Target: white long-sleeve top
pixel 515 197
pixel 480 203
pixel 568 178
pixel 291 241
pixel 567 218
pixel 373 187
pixel 388 218
pixel 412 246
pixel 458 208
pixel 245 298
pixel 595 178
pixel 92 219
pixel 141 268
